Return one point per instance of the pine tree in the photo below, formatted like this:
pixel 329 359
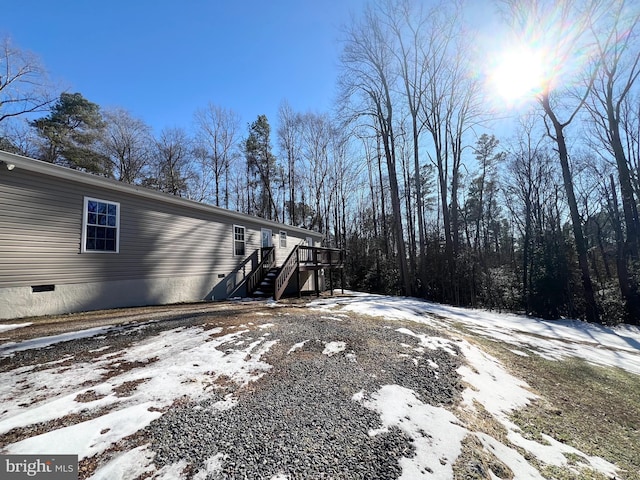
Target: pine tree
pixel 70 133
pixel 261 168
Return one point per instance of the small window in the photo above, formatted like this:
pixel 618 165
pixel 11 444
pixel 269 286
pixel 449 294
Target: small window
pixel 100 226
pixel 238 240
pixel 283 239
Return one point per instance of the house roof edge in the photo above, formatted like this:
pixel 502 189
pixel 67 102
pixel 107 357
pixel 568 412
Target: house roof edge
pixel 38 166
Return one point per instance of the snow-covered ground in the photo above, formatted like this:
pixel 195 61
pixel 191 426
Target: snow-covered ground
pixel 186 362
pixel 552 339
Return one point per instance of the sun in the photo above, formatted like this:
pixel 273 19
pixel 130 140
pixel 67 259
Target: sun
pixel 518 73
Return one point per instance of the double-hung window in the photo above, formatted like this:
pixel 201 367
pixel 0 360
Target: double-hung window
pixel 283 239
pixel 239 241
pixel 100 226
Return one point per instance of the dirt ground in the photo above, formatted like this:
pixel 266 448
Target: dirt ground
pixel 73 322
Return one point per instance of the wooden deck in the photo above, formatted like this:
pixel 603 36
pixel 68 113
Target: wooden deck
pixel 317 258
pixel 308 258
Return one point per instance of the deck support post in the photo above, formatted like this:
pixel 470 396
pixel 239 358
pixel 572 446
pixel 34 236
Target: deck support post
pixel 331 273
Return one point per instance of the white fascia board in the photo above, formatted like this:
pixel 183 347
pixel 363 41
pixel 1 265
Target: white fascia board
pixel 38 166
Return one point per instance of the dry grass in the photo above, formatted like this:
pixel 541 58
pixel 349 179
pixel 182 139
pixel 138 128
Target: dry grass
pixel 594 409
pixel 476 463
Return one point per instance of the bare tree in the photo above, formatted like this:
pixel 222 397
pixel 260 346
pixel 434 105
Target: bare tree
pixel 217 135
pixel 24 86
pixel 17 136
pixel 616 34
pixel 317 135
pixel 530 195
pixel 347 176
pixel 172 163
pixel 450 110
pixel 367 83
pixel 127 143
pixel 630 125
pixel 290 143
pixel 536 19
pixel 409 23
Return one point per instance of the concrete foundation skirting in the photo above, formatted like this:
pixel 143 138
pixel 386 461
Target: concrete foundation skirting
pixel 19 302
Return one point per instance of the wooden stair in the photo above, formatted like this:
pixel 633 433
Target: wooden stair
pixel 267 286
pixel 269 281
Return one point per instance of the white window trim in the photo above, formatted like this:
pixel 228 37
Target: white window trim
pixel 83 246
pixel 283 238
pixel 233 240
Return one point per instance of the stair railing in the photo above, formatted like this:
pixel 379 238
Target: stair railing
pixel 288 268
pixel 260 272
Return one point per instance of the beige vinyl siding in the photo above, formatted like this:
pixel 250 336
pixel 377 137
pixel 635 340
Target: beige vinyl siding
pixel 39 234
pixel 41 231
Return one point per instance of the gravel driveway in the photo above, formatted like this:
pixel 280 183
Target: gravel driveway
pixel 305 418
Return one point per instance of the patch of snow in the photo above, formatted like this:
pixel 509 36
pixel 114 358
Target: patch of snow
pixel 11 347
pixel 297 346
pixel 430 342
pixel 91 437
pixel 489 384
pixel 552 339
pixel 100 349
pixel 171 472
pixel 227 404
pixel 212 465
pixel 436 432
pixel 553 453
pixel 522 469
pixel 127 466
pixel 13 326
pixel 331 348
pixel 50 410
pixel 174 363
pixel 492 386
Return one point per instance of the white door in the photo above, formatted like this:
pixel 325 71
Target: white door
pixel 267 240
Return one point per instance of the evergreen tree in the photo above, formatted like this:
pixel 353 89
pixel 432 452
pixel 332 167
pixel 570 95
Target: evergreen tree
pixel 70 132
pixel 261 169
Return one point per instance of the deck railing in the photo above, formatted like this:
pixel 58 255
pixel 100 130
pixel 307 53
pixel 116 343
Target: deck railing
pixel 321 257
pixel 267 262
pixel 308 258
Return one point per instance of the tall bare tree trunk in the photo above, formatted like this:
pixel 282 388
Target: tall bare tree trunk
pixel 591 307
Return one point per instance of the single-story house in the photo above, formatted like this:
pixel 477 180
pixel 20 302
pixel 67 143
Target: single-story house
pixel 72 241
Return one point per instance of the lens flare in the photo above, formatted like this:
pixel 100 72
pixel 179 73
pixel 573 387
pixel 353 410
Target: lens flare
pixel 519 72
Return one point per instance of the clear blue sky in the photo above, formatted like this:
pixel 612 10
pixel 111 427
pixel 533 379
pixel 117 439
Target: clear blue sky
pixel 163 59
